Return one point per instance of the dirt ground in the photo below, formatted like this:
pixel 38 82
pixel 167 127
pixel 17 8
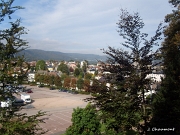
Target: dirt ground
pixel 58 105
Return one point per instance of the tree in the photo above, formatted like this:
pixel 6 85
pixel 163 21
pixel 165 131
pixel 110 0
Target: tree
pixel 51 80
pixel 81 75
pixel 73 83
pixel 87 85
pixel 76 72
pixel 41 65
pixel 84 67
pixel 88 76
pixel 37 77
pixel 63 76
pixel 45 79
pixel 166 110
pixel 12 72
pixel 124 102
pixel 80 83
pixel 84 122
pixel 63 68
pixel 41 78
pixel 57 81
pixel 67 82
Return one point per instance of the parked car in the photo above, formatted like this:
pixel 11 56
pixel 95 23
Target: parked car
pixel 29 91
pixel 18 102
pixel 63 90
pixel 74 92
pixel 26 98
pixel 51 88
pixel 40 85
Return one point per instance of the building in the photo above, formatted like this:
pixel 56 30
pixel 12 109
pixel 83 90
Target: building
pixel 31 77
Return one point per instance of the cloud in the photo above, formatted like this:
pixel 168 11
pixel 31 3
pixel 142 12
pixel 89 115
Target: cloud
pixel 77 25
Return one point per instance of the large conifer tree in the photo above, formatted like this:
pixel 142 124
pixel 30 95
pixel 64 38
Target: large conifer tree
pixel 166 112
pixel 13 69
pixel 123 104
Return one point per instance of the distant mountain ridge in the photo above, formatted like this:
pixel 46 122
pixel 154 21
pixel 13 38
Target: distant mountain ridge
pixel 36 54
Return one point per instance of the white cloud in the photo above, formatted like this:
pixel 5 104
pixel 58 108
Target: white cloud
pixel 77 25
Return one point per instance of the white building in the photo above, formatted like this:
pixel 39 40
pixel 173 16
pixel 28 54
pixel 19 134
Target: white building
pixel 155 77
pixel 82 63
pixel 31 77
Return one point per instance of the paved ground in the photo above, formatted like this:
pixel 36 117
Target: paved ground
pixel 58 105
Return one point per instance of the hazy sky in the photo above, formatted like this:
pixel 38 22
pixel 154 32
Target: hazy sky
pixel 83 26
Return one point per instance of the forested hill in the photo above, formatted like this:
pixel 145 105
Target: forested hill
pixel 35 54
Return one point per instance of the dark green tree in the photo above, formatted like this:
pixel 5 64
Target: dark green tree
pixel 76 72
pixel 51 80
pixel 41 78
pixel 81 75
pixel 41 65
pixel 166 111
pixel 12 66
pixel 63 68
pixel 45 79
pixel 37 78
pixel 63 76
pixel 80 83
pixel 124 102
pixel 57 81
pixel 84 122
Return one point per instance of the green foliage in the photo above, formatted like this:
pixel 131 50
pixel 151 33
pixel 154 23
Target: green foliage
pixel 80 83
pixel 21 124
pixel 81 75
pixel 63 76
pixel 84 67
pixel 63 68
pixel 51 80
pixel 57 81
pixel 88 76
pixel 87 85
pixel 166 111
pixel 76 72
pixel 41 65
pixel 122 107
pixel 13 70
pixel 84 122
pixel 39 78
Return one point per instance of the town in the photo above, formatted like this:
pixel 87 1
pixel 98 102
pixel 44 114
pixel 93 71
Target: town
pixel 76 75
pixel 71 73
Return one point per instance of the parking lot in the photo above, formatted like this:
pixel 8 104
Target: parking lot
pixel 58 105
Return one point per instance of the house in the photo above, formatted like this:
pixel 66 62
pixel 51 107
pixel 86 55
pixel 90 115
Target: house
pixel 50 68
pixel 155 77
pixel 31 77
pixel 82 63
pixel 72 65
pixel 91 71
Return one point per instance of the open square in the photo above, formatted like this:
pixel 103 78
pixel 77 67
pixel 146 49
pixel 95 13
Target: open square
pixel 58 105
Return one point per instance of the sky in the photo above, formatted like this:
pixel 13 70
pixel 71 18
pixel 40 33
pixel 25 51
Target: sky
pixel 83 26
